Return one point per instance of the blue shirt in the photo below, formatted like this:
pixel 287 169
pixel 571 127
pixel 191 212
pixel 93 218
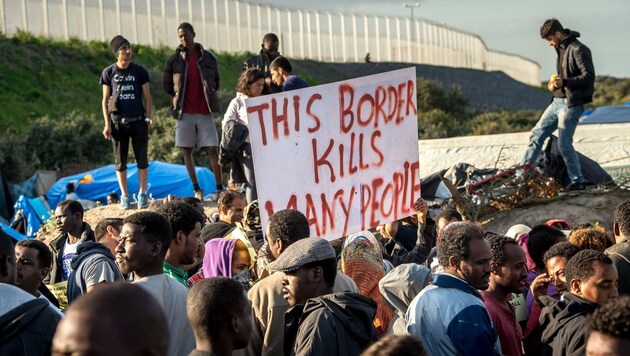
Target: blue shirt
pixel 294 82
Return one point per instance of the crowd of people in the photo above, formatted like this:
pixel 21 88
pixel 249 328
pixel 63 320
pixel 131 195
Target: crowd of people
pixel 191 77
pixel 168 280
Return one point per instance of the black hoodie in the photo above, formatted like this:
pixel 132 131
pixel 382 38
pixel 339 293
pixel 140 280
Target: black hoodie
pixel 564 325
pixel 333 324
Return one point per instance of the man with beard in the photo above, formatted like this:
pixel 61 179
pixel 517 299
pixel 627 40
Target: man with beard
pixel 449 316
pixel 555 259
pixel 592 281
pixel 144 240
pixel 572 88
pixel 508 276
pixel 186 223
pixel 69 218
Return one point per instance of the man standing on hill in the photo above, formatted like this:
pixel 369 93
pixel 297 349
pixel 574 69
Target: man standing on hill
pixel 262 62
pixel 572 87
pixel 191 77
pixel 127 109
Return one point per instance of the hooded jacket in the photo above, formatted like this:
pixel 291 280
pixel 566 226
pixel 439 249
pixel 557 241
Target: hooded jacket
pixel 56 248
pixel 576 69
pixel 398 288
pixel 563 323
pixel 333 324
pixel 175 74
pixel 80 265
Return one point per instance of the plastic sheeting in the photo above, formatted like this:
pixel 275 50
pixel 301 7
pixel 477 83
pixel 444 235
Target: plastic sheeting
pixel 164 179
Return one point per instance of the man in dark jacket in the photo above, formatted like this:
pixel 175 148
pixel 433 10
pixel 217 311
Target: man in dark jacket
pixel 319 322
pixel 191 77
pixel 69 218
pixel 572 87
pixel 620 252
pixel 592 280
pixel 262 61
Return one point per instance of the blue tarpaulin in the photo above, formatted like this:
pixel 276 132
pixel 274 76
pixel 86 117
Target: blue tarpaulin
pixel 34 212
pixel 13 233
pixel 164 179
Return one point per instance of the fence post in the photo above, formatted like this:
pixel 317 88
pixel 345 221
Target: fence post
pixel 134 21
pixel 216 23
pixel 227 25
pixel 84 20
pixel 44 17
pixel 319 37
pixel 64 8
pixel 330 38
pixel 343 38
pixel 24 16
pixel 119 22
pixel 150 22
pixel 378 38
pixel 366 32
pixel 3 17
pixel 237 10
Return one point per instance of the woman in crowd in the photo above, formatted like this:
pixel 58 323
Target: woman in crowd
pixel 235 135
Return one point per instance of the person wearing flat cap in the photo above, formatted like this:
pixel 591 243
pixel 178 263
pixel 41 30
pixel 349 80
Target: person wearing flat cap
pixel 321 322
pixel 127 106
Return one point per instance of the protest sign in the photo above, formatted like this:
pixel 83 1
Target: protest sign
pixel 345 154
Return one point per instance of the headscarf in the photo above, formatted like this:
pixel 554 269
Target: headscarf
pixel 362 261
pixel 217 261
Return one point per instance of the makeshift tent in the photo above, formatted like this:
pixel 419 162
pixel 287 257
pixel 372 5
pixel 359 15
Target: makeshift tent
pixel 30 214
pixel 37 185
pixel 12 232
pixel 164 179
pixel 607 115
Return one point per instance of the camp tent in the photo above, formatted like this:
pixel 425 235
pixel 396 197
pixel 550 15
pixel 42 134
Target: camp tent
pixel 164 179
pixel 30 215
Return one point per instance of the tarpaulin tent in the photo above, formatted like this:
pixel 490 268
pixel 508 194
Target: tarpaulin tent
pixel 164 179
pixel 12 232
pixel 30 214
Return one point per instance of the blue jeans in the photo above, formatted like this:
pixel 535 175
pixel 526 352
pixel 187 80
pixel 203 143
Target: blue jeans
pixel 557 116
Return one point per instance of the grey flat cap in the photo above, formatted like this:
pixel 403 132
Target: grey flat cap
pixel 303 252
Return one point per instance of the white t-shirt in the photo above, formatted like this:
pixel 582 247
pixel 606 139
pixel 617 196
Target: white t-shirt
pixel 171 295
pixel 69 250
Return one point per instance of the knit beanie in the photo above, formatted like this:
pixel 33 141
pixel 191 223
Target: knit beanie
pixel 116 44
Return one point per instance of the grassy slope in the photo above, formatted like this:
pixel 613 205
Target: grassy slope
pixel 40 77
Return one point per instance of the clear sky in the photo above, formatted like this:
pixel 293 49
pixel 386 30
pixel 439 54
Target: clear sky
pixel 513 26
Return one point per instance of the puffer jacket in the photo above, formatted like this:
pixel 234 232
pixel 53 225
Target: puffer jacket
pixel 577 70
pixel 333 324
pixel 174 81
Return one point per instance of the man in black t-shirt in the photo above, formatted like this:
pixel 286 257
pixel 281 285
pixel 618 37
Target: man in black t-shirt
pixel 127 112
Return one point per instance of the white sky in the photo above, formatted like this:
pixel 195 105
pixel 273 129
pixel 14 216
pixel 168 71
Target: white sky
pixel 513 26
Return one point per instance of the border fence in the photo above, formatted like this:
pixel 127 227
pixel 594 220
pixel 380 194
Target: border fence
pixel 238 26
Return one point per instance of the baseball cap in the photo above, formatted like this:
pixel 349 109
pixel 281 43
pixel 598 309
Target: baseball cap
pixel 303 252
